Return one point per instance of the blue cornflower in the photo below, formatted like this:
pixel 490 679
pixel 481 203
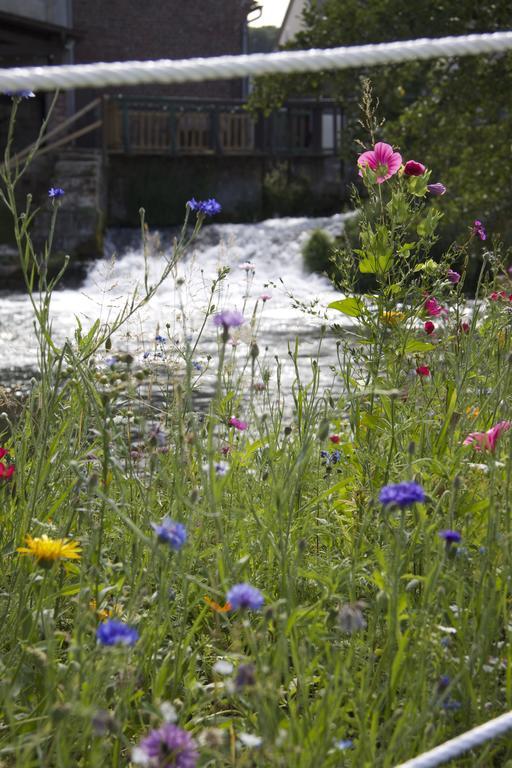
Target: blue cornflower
pixel 171 533
pixel 451 537
pixel 160 339
pixel 245 676
pixel 207 207
pixel 20 94
pixel 324 454
pixel 245 596
pixel 401 494
pixel 196 365
pixel 344 744
pixel 113 632
pixel 55 192
pixel 335 457
pixel 228 318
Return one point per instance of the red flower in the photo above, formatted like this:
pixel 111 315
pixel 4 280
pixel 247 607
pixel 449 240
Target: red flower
pixel 6 472
pixel 496 295
pixel 3 452
pixel 464 327
pixel 429 327
pixel 413 168
pixel 335 439
pixel 423 370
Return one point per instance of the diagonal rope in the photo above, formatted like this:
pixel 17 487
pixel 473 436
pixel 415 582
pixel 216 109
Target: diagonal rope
pixel 100 74
pixel 463 743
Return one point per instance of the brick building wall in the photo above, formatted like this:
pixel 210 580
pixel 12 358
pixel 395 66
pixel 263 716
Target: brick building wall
pixel 157 29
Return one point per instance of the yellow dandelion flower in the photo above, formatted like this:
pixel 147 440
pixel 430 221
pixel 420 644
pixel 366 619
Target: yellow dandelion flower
pixel 46 551
pixel 393 317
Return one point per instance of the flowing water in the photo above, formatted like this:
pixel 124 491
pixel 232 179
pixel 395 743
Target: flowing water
pixel 296 309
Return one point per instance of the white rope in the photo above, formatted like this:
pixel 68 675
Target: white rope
pixel 463 743
pixel 227 67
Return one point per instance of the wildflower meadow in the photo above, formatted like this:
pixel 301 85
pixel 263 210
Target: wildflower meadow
pixel 313 577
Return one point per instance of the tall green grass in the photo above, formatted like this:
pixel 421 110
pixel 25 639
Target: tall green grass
pixel 376 640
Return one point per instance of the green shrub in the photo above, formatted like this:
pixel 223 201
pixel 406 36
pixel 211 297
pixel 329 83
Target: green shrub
pixel 317 251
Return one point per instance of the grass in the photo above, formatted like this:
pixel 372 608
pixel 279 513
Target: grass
pixel 376 641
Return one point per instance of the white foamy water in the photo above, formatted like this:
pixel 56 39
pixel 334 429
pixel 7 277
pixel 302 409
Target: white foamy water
pixel 273 247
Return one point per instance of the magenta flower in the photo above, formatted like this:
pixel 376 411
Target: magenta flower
pixel 453 276
pixel 436 189
pixel 423 370
pixel 382 160
pixel 429 327
pixel 238 424
pixel 413 168
pixel 432 307
pixel 486 441
pixel 479 230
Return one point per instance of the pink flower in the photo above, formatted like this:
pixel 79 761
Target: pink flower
pixel 453 276
pixel 479 230
pixel 429 327
pixel 238 424
pixel 335 439
pixel 423 370
pixel 3 452
pixel 432 307
pixel 464 327
pixel 382 160
pixel 265 297
pixel 412 168
pixel 486 441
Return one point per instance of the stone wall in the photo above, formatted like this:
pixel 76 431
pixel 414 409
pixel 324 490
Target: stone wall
pixel 162 186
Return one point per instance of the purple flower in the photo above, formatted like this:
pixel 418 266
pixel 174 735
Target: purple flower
pixel 55 192
pixel 113 632
pixel 479 230
pixel 450 538
pixel 207 207
pixel 167 747
pixel 171 533
pixel 245 596
pixel 401 494
pixel 238 424
pixel 245 676
pixel 228 318
pixel 436 189
pixel 20 94
pixel 453 276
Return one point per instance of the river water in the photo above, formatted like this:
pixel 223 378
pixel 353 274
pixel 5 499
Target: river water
pixel 296 309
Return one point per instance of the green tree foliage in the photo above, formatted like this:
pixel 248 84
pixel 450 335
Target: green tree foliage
pixel 454 115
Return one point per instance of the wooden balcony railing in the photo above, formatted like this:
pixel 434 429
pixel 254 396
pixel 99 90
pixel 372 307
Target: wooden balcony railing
pixel 192 127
